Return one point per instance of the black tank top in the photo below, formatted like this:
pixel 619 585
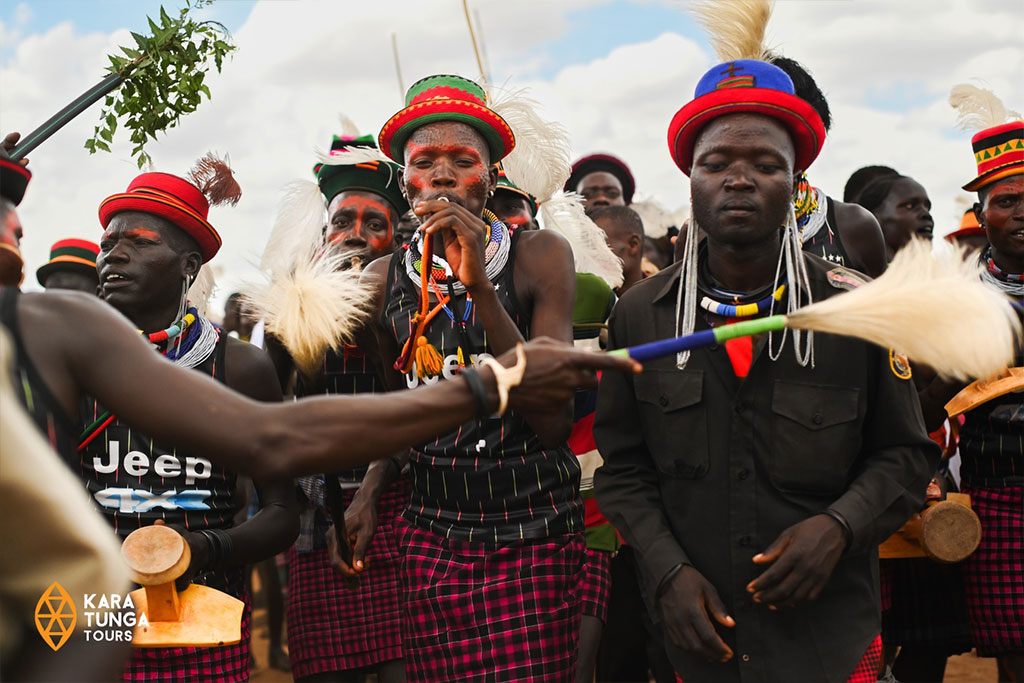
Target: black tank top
pixel 490 480
pixel 827 243
pixel 48 414
pixel 136 480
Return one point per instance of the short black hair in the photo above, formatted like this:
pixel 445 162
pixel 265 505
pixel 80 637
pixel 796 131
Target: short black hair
pixel 806 88
pixel 863 177
pixel 624 216
pixel 872 196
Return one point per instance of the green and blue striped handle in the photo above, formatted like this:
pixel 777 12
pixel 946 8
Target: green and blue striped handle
pixel 717 335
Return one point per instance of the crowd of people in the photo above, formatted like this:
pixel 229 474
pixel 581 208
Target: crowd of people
pixel 456 492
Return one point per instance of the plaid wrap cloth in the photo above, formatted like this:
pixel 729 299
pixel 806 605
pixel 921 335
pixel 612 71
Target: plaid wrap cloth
pixel 597 584
pixel 994 574
pixel 505 614
pixel 226 664
pixel 334 626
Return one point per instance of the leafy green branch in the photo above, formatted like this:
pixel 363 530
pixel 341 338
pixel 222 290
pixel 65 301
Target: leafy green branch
pixel 164 78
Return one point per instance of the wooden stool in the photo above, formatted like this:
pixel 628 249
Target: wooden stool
pixel 199 616
pixel 947 531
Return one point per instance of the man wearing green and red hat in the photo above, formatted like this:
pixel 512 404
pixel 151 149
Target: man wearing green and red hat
pixel 753 484
pixel 493 543
pixel 156 236
pixel 514 206
pixel 72 265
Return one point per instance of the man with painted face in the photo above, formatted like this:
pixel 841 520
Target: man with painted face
pixel 346 620
pixel 991 451
pixel 512 205
pixel 753 484
pixel 493 543
pixel 156 237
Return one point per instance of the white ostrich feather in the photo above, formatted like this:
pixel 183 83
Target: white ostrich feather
pixel 736 28
pixel 978 108
pixel 565 215
pixel 908 309
pixel 348 127
pixel 305 299
pixel 540 163
pixel 655 217
pixel 301 217
pixel 202 289
pixel 349 157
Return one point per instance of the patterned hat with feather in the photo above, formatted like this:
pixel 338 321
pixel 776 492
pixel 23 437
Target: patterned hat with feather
pixel 998 139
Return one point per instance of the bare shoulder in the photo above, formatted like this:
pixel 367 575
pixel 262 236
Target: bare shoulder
pixel 544 254
pixel 249 370
pixel 45 313
pixel 855 218
pixel 538 241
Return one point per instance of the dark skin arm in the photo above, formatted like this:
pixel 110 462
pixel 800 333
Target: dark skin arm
pixel 862 237
pixel 545 284
pixel 109 360
pixel 272 529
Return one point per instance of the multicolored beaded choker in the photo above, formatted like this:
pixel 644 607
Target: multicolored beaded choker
pixel 188 342
pixel 495 255
pixel 1011 283
pixel 997 271
pixel 174 330
pixel 738 310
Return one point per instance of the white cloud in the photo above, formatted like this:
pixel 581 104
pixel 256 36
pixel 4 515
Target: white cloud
pixel 301 63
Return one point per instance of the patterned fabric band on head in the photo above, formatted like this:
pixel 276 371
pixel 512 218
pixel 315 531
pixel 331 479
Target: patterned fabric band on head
pixel 369 175
pixel 746 86
pixel 999 153
pixel 446 98
pixel 172 198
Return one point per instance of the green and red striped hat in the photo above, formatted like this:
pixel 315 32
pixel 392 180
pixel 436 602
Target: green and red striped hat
pixel 169 197
pixel 446 98
pixel 999 153
pixel 70 254
pixel 370 175
pixel 506 185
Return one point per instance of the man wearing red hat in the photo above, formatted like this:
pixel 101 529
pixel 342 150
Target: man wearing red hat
pixel 494 550
pixel 603 180
pixel 991 450
pixel 156 237
pixel 72 265
pixel 14 179
pixel 755 481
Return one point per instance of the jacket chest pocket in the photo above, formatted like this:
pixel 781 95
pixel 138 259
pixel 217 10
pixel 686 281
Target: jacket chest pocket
pixel 816 437
pixel 675 423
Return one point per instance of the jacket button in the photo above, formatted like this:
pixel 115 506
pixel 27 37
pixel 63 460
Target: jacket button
pixel 745 658
pixel 816 419
pixel 663 401
pixel 743 474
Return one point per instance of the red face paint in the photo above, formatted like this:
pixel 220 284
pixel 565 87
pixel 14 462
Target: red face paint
pixel 361 221
pixel 1002 215
pixel 445 160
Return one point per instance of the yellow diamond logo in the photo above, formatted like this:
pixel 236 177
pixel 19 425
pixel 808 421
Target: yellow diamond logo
pixel 55 616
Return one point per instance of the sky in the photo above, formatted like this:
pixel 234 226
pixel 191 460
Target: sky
pixel 612 71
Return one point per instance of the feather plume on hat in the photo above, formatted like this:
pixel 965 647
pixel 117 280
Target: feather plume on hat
pixel 736 28
pixel 978 108
pixel 215 179
pixel 306 300
pixel 540 164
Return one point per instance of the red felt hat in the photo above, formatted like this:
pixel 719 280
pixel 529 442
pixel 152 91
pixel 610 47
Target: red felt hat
pixel 751 86
pixel 999 153
pixel 169 197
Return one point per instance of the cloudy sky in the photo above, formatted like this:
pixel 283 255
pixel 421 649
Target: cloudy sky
pixel 613 71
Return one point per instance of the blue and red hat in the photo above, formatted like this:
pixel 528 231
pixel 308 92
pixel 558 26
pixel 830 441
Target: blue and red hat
pixel 746 86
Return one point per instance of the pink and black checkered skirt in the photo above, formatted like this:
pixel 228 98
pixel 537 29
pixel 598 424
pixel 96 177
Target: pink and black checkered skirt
pixel 597 584
pixel 994 574
pixel 337 626
pixel 479 614
pixel 226 664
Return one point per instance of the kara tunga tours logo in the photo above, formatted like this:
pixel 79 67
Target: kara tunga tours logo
pixel 104 617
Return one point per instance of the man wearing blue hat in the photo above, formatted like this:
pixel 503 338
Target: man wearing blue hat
pixel 755 481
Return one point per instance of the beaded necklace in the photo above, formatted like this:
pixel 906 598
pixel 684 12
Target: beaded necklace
pixel 738 310
pixel 417 349
pixel 810 206
pixel 1011 283
pixel 174 330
